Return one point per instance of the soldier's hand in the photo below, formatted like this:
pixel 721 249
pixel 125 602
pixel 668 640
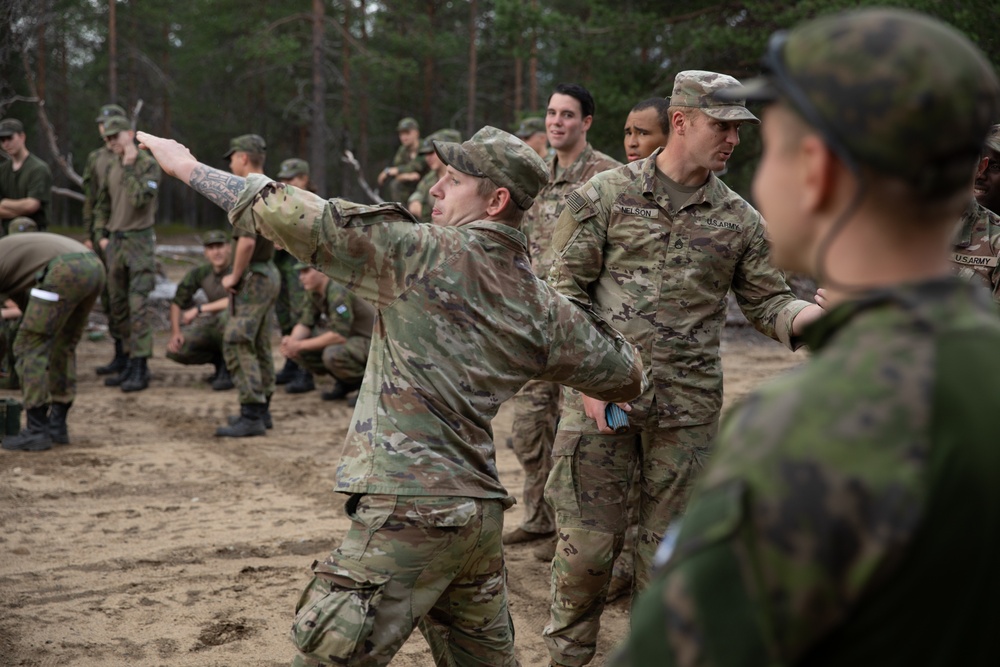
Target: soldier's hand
pixel 595 410
pixel 230 283
pixel 104 244
pixel 129 150
pixel 174 158
pixel 187 317
pixel 175 343
pixel 89 244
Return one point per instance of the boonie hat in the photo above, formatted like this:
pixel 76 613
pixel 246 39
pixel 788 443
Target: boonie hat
pixel 114 125
pixel 109 110
pixel 407 124
pixel 292 167
pixel 9 126
pixel 530 126
pixel 501 157
pixel 993 139
pixel 214 237
pixel 448 134
pixel 696 88
pixel 248 143
pixel 22 224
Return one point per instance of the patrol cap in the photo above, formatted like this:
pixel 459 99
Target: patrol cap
pixel 292 167
pixel 301 266
pixel 529 127
pixel 9 126
pixel 114 125
pixel 892 89
pixel 695 88
pixel 448 134
pixel 109 110
pixel 215 237
pixel 500 157
pixel 407 124
pixel 993 139
pixel 22 224
pixel 248 143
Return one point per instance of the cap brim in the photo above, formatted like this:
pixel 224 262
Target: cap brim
pixel 5 134
pixel 456 157
pixel 735 112
pixel 225 156
pixel 760 89
pixel 285 174
pixel 995 145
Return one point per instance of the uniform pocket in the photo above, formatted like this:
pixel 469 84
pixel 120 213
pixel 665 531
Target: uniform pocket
pixel 335 613
pixel 562 487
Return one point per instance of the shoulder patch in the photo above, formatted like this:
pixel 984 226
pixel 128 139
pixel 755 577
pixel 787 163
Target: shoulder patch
pixel 575 202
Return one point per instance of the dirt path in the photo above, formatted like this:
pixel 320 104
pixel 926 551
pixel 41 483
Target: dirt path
pixel 149 541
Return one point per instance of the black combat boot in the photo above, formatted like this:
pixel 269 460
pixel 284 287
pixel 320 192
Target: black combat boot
pixel 302 383
pixel 117 364
pixel 57 423
pixel 268 422
pixel 223 380
pixel 35 436
pixel 117 380
pixel 138 379
pixel 340 390
pixel 288 373
pixel 249 423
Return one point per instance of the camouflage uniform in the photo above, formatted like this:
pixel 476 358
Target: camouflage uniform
pixel 536 406
pixel 404 162
pixel 977 248
pixel 9 327
pixel 662 278
pixel 825 530
pixel 203 337
pixel 341 312
pixel 33 179
pixel 462 324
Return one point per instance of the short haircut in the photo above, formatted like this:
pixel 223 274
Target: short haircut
pixel 256 160
pixel 662 107
pixel 512 213
pixel 581 94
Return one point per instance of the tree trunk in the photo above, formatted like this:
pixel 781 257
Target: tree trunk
pixel 318 153
pixel 470 121
pixel 533 65
pixel 363 97
pixel 112 53
pixel 345 109
pixel 428 96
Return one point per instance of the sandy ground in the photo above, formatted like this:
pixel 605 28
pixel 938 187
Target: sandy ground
pixel 149 541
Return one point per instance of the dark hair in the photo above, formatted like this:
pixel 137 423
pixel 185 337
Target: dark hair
pixel 581 94
pixel 661 104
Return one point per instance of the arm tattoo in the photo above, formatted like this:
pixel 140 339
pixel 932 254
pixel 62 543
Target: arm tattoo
pixel 220 187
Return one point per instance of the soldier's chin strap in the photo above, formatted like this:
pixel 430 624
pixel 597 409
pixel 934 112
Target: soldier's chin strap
pixel 823 279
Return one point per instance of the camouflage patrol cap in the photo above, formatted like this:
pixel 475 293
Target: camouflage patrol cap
pixel 407 124
pixel 292 167
pixel 248 143
pixel 9 126
pixel 427 145
pixel 892 89
pixel 114 125
pixel 301 266
pixel 993 139
pixel 529 127
pixel 22 224
pixel 695 88
pixel 214 237
pixel 501 157
pixel 109 110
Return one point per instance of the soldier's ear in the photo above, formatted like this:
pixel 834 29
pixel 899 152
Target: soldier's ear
pixel 498 202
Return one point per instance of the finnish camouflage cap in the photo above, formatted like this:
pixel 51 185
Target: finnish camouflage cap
pixel 9 126
pixel 696 89
pixel 114 125
pixel 427 145
pixel 892 89
pixel 216 236
pixel 407 124
pixel 501 157
pixel 292 167
pixel 529 127
pixel 22 224
pixel 248 143
pixel 109 110
pixel 993 139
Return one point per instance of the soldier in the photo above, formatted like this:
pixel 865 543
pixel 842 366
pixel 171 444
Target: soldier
pixel 462 324
pixel 129 243
pixel 821 528
pixel 654 247
pixel 25 181
pixel 55 281
pixel 987 187
pixel 333 335
pixel 532 132
pixel 10 320
pixel 646 128
pixel 421 203
pixel 407 166
pixel 254 286
pixel 200 341
pixel 95 210
pixel 569 115
pixel 291 296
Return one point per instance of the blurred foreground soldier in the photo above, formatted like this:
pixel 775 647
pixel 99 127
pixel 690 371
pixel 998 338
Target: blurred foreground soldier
pixel 647 128
pixel 196 329
pixel 129 244
pixel 654 247
pixel 826 529
pixel 291 297
pixel 421 203
pixel 462 324
pixel 55 281
pixel 987 187
pixel 532 132
pixel 25 180
pixel 407 165
pixel 332 337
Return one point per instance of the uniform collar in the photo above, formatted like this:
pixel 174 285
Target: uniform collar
pixel 713 191
pixel 572 173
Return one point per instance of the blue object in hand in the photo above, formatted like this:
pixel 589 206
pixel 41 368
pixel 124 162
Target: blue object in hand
pixel 616 417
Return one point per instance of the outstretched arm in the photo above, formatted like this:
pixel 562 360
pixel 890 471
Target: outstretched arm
pixel 219 187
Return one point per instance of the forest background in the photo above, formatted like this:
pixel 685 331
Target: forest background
pixel 318 77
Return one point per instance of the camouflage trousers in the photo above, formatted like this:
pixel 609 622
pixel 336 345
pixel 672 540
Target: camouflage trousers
pixel 292 296
pixel 246 341
pixel 202 340
pixel 345 362
pixel 410 561
pixel 53 322
pixel 131 278
pixel 588 489
pixel 105 300
pixel 536 413
pixel 8 363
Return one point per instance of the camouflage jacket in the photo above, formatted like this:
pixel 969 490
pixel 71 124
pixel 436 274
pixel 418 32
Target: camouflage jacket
pixel 131 194
pixel 339 311
pixel 402 161
pixel 833 520
pixel 977 247
pixel 663 281
pixel 202 277
pixel 422 194
pixel 462 324
pixel 540 220
pixel 95 176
